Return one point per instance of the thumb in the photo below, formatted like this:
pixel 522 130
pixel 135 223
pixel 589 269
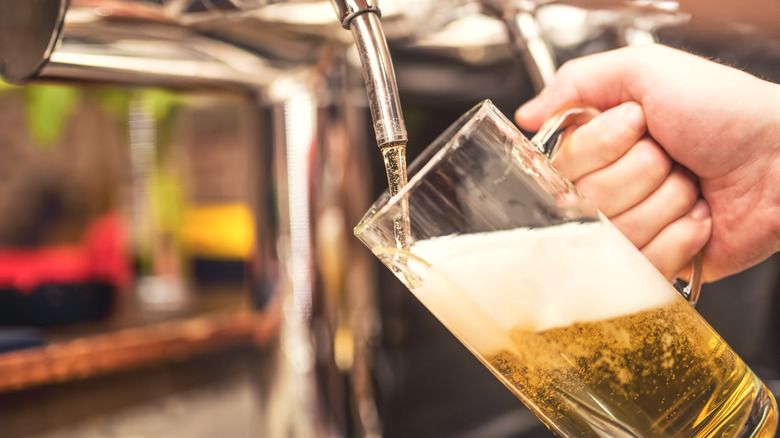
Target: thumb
pixel 602 81
pixel 561 91
pixel 532 114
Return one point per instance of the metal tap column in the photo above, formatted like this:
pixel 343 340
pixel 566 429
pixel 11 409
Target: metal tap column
pixel 362 18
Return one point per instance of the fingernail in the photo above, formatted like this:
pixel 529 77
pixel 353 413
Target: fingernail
pixel 635 117
pixel 701 210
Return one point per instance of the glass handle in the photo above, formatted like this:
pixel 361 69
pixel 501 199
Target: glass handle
pixel 690 287
pixel 548 140
pixel 549 137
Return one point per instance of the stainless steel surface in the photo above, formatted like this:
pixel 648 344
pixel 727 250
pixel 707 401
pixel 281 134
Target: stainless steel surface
pixel 346 10
pixel 205 397
pixel 28 34
pixel 307 180
pixel 379 76
pixel 129 42
pixel 323 386
pixel 526 37
pixel 135 43
pixel 154 54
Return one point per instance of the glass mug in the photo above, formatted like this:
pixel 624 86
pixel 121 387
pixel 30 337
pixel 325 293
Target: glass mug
pixel 553 299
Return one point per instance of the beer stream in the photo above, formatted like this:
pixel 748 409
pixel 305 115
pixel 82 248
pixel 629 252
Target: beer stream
pixel 394 156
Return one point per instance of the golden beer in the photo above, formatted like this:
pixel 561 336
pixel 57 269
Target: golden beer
pixel 588 334
pixel 661 372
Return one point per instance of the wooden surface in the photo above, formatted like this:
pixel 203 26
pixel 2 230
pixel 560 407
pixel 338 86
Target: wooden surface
pixel 130 338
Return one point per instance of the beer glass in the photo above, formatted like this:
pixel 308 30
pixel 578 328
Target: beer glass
pixel 555 301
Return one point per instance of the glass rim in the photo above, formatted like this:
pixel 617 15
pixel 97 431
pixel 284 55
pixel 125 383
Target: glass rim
pixel 432 155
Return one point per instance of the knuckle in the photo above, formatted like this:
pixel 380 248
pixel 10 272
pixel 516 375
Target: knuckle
pixel 653 160
pixel 635 232
pixel 612 148
pixel 683 185
pixel 589 191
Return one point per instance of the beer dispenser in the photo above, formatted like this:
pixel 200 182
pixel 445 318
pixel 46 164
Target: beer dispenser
pixel 308 173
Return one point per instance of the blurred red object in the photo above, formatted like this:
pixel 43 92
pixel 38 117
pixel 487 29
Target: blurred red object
pixel 101 256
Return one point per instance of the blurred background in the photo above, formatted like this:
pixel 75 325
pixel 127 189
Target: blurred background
pixel 178 184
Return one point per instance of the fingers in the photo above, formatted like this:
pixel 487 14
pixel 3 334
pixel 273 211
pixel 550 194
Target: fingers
pixel 629 180
pixel 585 81
pixel 673 248
pixel 601 141
pixel 672 200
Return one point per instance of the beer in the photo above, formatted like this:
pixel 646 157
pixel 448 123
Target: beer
pixel 394 156
pixel 588 334
pixel 660 372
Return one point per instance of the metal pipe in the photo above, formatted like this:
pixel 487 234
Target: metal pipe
pixel 379 77
pixel 346 10
pixel 526 38
pixel 362 18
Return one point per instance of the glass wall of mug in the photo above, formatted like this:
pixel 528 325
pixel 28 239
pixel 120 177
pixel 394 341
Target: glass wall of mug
pixel 547 294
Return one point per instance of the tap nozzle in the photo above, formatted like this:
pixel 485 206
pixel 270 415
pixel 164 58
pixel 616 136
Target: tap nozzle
pixel 349 9
pixel 362 18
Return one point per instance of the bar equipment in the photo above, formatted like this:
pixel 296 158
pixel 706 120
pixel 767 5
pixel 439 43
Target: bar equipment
pixel 508 255
pixel 307 173
pixel 290 61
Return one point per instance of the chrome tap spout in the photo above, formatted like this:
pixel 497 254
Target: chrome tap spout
pixel 362 18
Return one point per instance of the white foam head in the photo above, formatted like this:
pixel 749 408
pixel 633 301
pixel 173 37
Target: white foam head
pixel 534 279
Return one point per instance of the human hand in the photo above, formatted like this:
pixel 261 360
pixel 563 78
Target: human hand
pixel 718 122
pixel 651 200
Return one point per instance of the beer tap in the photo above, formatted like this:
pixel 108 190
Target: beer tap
pixel 526 37
pixel 361 17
